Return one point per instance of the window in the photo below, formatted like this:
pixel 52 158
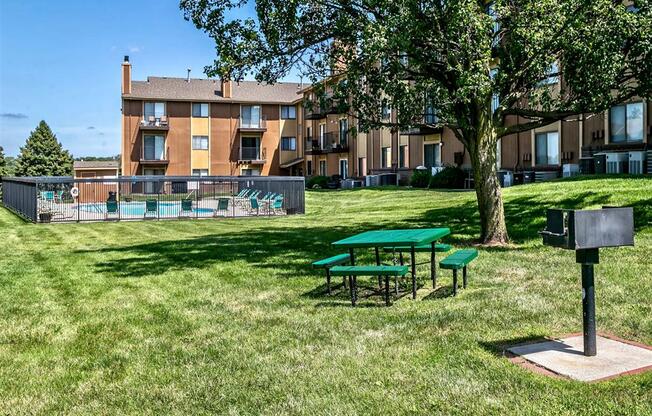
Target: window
pixel 199 142
pixel 200 109
pixel 156 110
pixel 344 168
pixel 153 147
pixel 626 123
pixel 308 133
pixel 250 149
pixel 547 148
pixel 322 168
pixel 250 117
pixel 552 74
pixel 344 131
pixel 309 167
pixel 431 155
pixel 495 97
pixel 386 157
pixel 250 172
pixel 153 187
pixel 499 154
pixel 362 166
pixel 288 112
pixel 322 133
pixel 386 112
pixel 288 143
pixel 402 155
pixel 200 172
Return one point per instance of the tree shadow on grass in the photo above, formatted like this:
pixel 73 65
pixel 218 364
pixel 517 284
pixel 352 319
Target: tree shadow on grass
pixel 525 217
pixel 288 252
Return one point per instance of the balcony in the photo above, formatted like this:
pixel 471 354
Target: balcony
pixel 425 129
pixel 251 156
pixel 331 144
pixel 252 124
pixel 151 158
pixel 312 111
pixel 153 123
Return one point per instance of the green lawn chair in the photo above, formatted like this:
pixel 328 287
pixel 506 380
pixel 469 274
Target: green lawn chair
pixel 47 196
pixel 222 206
pixel 277 205
pixel 111 209
pixel 186 208
pixel 253 206
pixel 151 208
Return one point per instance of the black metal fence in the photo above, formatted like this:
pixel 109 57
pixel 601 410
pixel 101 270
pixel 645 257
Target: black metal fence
pixel 66 199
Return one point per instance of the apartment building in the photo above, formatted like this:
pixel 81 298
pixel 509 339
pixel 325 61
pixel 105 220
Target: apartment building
pixel 184 126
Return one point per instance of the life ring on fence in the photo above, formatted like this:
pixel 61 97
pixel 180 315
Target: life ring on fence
pixel 74 192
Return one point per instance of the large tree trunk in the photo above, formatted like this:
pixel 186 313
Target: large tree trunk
pixel 487 188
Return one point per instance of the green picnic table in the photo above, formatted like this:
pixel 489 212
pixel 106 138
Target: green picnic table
pixel 396 238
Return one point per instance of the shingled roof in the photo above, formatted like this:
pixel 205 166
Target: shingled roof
pixel 179 89
pixel 96 164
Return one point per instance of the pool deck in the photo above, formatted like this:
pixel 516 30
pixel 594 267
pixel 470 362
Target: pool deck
pixel 204 208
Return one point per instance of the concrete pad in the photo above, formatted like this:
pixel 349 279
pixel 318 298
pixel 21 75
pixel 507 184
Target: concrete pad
pixel 566 357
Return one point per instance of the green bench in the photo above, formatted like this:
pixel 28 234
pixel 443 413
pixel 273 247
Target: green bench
pixel 354 271
pixel 459 260
pixel 426 248
pixel 326 264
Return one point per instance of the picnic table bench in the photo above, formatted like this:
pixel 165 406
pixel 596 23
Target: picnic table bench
pixel 459 260
pixel 328 263
pixel 354 271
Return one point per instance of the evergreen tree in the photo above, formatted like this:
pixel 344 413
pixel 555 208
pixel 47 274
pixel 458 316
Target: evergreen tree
pixel 43 155
pixel 3 162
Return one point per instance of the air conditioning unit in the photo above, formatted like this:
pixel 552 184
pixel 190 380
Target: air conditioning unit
pixel 636 163
pixel 371 180
pixel 541 176
pixel 616 162
pixel 570 169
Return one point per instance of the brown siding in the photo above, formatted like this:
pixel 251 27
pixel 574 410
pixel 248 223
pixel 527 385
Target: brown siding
pixel 177 141
pixel 570 141
pixel 132 113
pixel 270 140
pixel 222 135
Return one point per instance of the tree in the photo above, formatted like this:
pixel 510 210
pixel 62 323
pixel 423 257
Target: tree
pixel 468 65
pixel 3 163
pixel 43 155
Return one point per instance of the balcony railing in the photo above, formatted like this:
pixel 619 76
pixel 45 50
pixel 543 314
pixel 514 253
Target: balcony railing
pixel 154 123
pixel 250 153
pixel 252 124
pixel 330 143
pixel 153 158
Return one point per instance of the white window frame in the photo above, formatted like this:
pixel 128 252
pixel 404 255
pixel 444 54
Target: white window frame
pixel 547 134
pixel 292 143
pixel 290 112
pixel 157 114
pixel 344 174
pixel 202 107
pixel 202 139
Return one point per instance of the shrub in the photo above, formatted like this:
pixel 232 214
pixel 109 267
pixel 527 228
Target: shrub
pixel 317 182
pixel 420 178
pixel 451 177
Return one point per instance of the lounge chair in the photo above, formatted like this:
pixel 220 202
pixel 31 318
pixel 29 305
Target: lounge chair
pixel 186 208
pixel 253 206
pixel 277 205
pixel 151 207
pixel 222 206
pixel 111 208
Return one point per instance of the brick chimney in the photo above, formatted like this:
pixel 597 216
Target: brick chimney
pixel 227 89
pixel 126 76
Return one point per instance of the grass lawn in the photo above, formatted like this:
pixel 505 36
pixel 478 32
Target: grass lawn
pixel 226 316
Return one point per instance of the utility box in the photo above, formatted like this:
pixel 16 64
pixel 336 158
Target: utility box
pixel 587 229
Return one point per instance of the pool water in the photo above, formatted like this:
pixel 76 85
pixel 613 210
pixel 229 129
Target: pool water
pixel 137 209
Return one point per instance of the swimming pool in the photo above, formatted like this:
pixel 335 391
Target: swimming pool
pixel 137 209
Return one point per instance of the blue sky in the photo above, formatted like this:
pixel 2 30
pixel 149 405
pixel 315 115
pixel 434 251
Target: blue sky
pixel 60 62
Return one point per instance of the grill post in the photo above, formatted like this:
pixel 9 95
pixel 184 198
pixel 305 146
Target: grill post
pixel 588 258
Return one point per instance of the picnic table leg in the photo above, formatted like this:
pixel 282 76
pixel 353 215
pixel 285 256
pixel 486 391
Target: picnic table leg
pixel 414 273
pixel 387 291
pixel 380 278
pixel 400 257
pixel 352 283
pixel 454 282
pixel 433 271
pixel 328 281
pixel 354 289
pixel 464 277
